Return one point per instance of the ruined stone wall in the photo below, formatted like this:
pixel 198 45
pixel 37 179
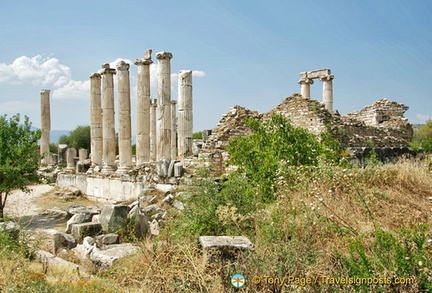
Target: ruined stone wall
pixel 230 126
pixel 380 125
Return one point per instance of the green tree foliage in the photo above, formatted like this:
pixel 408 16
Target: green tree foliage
pixel 19 158
pixel 423 137
pixel 79 138
pixel 197 135
pixel 274 146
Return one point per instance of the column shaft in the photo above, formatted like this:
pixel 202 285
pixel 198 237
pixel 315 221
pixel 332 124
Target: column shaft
pixel 153 136
pixel 328 92
pixel 109 142
pixel 185 114
pixel 45 126
pixel 173 131
pixel 95 120
pixel 163 115
pixel 143 109
pixel 124 118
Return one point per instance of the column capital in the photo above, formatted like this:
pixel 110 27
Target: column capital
pixel 95 75
pixel 164 55
pixel 327 78
pixel 107 70
pixel 45 92
pixel 173 102
pixel 122 66
pixel 146 60
pixel 306 81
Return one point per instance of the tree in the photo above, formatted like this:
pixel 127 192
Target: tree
pixel 79 138
pixel 423 137
pixel 19 156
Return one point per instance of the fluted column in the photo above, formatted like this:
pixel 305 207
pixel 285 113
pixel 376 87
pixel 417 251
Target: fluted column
pixel 163 113
pixel 143 109
pixel 108 141
pixel 173 130
pixel 45 126
pixel 328 91
pixel 153 136
pixel 124 118
pixel 95 120
pixel 185 114
pixel 305 87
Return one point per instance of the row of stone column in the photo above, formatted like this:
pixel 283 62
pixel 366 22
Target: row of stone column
pixel 156 135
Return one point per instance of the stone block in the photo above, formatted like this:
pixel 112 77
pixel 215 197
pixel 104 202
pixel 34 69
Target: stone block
pixel 223 248
pixel 178 169
pixel 79 231
pixel 77 219
pixel 107 239
pixel 114 217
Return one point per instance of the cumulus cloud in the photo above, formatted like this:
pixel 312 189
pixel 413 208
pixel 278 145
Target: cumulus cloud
pixel 198 73
pixel 37 70
pixel 423 118
pixel 73 89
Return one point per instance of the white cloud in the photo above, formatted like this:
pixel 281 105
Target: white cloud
pixel 423 118
pixel 198 73
pixel 74 89
pixel 37 70
pixel 12 107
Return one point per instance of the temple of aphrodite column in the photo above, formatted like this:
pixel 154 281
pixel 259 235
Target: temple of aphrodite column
pixel 185 114
pixel 124 118
pixel 163 110
pixel 45 126
pixel 324 75
pixel 95 120
pixel 143 148
pixel 108 133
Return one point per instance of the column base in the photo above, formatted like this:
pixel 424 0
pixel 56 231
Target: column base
pixel 107 170
pixel 123 170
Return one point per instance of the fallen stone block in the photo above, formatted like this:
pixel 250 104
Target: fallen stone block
pixel 75 209
pixel 107 239
pixel 218 249
pixel 114 217
pixel 79 231
pixel 77 219
pixel 104 259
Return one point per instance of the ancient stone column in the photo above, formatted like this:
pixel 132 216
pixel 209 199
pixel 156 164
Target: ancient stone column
pixel 143 109
pixel 328 92
pixel 45 126
pixel 185 115
pixel 70 160
pixel 153 138
pixel 95 120
pixel 163 113
pixel 305 87
pixel 124 118
pixel 108 133
pixel 173 130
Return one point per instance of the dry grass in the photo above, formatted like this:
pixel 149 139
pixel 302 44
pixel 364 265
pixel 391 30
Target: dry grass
pixel 303 234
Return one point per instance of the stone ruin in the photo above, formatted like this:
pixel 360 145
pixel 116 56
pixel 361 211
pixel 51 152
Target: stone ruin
pixel 164 130
pixel 381 126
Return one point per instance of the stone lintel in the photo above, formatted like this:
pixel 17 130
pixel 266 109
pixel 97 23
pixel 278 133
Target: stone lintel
pixel 107 70
pixel 123 66
pixel 318 73
pixel 164 55
pixel 95 75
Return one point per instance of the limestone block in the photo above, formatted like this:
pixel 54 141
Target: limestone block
pixel 154 228
pixel 77 219
pixel 141 223
pixel 86 229
pixel 75 209
pixel 178 169
pixel 107 239
pixel 222 248
pixel 114 217
pixel 104 259
pixel 51 259
pixel 178 205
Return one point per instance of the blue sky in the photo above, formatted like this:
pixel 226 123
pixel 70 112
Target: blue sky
pixel 247 53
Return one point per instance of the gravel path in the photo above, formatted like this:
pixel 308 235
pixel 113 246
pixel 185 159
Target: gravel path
pixel 22 206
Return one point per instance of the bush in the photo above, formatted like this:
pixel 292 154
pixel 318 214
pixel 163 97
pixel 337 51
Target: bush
pixel 423 138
